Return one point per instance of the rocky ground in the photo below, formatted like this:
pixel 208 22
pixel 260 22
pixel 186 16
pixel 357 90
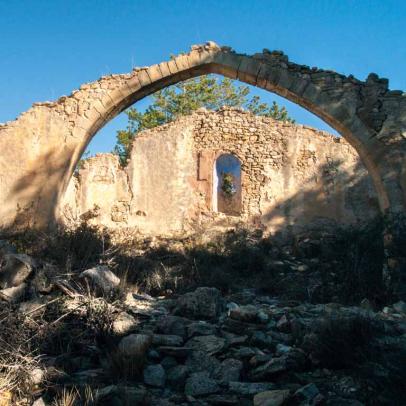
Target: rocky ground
pixel 89 339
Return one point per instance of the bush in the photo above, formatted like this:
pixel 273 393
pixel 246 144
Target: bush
pixel 341 341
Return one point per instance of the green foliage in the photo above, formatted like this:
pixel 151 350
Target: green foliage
pixel 184 98
pixel 227 184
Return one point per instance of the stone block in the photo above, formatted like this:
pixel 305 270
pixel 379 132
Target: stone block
pixel 154 73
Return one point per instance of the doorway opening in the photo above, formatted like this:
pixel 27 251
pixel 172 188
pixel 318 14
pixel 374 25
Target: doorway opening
pixel 227 185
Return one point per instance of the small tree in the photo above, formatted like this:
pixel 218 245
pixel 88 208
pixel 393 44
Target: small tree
pixel 227 184
pixel 184 98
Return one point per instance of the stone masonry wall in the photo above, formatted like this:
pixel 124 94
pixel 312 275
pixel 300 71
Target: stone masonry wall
pixel 292 176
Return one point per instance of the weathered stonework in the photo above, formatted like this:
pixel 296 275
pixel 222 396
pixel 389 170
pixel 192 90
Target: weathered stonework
pixel 40 150
pixel 292 175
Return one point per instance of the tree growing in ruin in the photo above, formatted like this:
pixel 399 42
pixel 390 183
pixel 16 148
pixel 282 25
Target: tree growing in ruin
pixel 185 97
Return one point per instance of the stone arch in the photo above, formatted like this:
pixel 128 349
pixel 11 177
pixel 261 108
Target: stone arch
pixel 227 168
pixel 44 144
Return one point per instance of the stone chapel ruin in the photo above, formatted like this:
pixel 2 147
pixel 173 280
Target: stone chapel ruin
pixel 222 167
pixel 39 151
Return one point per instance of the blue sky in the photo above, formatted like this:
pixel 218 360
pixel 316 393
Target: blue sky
pixel 48 48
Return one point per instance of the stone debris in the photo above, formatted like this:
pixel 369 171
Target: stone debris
pixel 102 277
pixel 200 384
pixel 15 269
pixel 135 345
pixel 154 375
pixel 203 303
pixel 206 348
pixel 271 398
pixel 14 294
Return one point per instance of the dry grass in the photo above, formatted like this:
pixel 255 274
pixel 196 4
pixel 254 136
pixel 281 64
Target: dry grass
pixel 68 397
pixel 341 341
pixel 18 355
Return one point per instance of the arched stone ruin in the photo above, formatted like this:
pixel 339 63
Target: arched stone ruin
pixel 40 149
pixel 282 177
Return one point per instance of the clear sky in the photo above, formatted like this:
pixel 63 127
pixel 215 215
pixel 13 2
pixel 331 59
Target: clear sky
pixel 48 48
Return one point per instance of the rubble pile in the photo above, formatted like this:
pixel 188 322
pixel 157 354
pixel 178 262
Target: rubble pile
pixel 125 347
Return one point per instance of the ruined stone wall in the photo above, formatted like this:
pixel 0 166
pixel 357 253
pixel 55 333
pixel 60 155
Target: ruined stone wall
pixel 291 176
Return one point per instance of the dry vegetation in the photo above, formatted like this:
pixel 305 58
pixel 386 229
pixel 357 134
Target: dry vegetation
pixel 75 323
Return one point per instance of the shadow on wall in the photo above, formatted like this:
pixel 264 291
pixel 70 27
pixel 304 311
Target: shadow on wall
pixel 333 193
pixel 42 180
pixel 330 194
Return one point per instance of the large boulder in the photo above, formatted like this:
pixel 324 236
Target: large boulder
pixel 203 303
pixel 15 269
pixel 13 295
pixel 248 313
pixel 101 278
pixel 135 345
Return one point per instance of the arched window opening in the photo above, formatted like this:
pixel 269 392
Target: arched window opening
pixel 227 185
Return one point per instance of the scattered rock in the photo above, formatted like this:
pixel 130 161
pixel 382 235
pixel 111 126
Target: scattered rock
pixel 135 345
pixel 203 303
pixel 177 376
pixel 400 306
pixel 246 313
pixel 169 362
pixel 174 325
pixel 16 268
pixel 200 361
pixel 143 296
pixel 201 328
pixel 229 370
pixel 366 304
pixel 282 349
pixel 283 324
pixel 90 376
pixel 261 339
pixel 307 393
pixel 121 395
pixel 245 353
pixel 176 352
pixel 224 400
pixel 154 375
pixel 271 398
pixel 14 294
pixel 102 278
pixel 41 283
pixel 200 384
pixel 249 388
pixel 39 402
pixel 210 344
pixel 274 367
pixel 167 340
pixel 260 359
pixel 37 375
